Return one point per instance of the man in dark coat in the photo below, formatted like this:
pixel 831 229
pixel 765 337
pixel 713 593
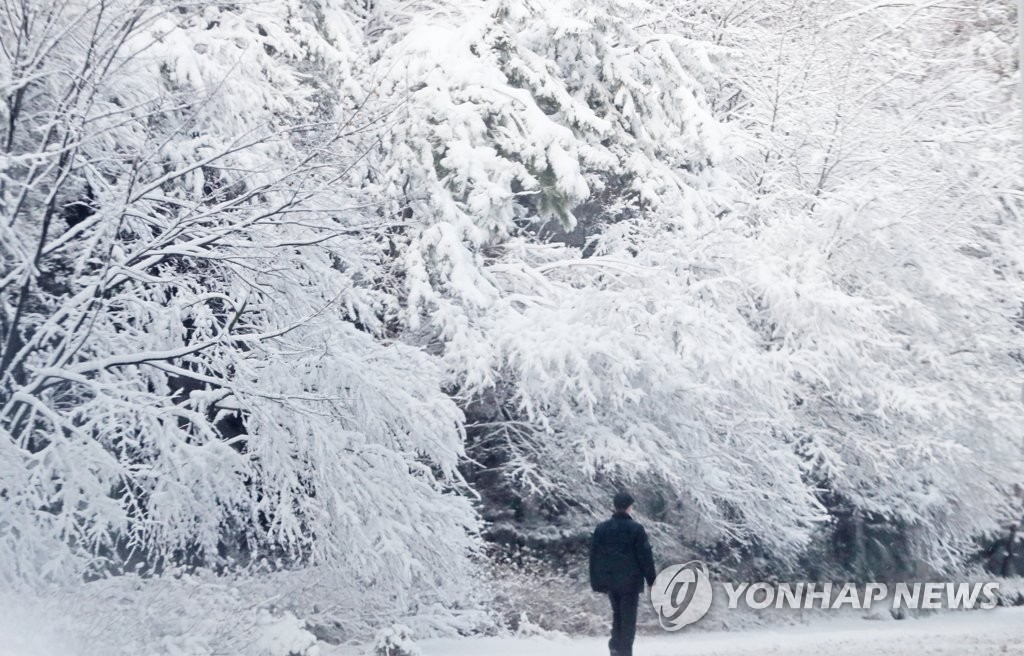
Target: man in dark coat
pixel 620 562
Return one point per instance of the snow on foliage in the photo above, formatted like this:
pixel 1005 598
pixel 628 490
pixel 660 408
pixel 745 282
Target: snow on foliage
pixel 182 378
pixel 884 182
pixel 396 640
pixel 257 260
pixel 758 316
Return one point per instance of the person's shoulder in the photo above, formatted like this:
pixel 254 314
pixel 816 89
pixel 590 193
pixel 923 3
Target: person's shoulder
pixel 636 526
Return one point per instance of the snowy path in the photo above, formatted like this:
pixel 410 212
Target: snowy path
pixel 994 632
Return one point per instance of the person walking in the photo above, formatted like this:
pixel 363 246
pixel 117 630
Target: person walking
pixel 620 561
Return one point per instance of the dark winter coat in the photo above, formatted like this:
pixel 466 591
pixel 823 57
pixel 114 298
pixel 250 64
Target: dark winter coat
pixel 620 556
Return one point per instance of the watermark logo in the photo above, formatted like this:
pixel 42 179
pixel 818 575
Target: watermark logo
pixel 682 594
pixel 829 596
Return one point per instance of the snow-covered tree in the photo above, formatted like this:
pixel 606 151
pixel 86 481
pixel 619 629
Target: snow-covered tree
pixel 744 292
pixel 192 367
pixel 258 262
pixel 882 165
pixel 564 181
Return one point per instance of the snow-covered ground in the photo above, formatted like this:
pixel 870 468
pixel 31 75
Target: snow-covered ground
pixel 999 631
pixel 995 632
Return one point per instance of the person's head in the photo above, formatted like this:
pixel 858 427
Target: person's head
pixel 622 501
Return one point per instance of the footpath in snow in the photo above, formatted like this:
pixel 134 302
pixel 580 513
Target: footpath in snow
pixel 990 632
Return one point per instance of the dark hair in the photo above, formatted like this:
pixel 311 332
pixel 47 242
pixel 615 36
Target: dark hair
pixel 623 500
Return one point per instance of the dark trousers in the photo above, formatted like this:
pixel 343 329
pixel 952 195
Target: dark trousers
pixel 624 605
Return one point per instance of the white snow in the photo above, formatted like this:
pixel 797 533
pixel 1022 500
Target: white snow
pixel 997 631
